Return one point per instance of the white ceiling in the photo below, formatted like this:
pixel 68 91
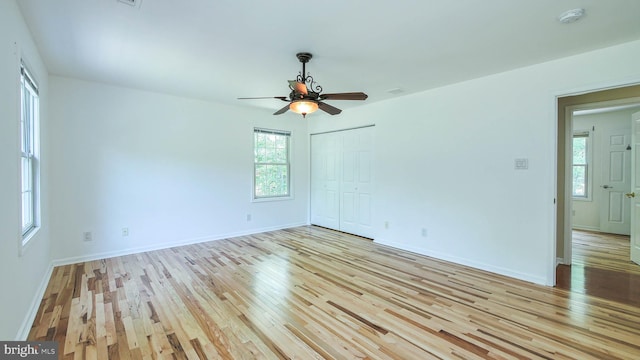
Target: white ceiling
pixel 223 49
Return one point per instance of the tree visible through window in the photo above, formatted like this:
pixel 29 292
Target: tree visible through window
pixel 580 165
pixel 271 163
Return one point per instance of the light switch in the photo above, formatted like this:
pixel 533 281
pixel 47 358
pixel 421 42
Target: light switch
pixel 521 164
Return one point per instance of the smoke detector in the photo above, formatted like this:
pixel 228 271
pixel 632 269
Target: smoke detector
pixel 570 16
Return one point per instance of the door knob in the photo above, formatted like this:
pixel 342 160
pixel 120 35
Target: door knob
pixel 630 195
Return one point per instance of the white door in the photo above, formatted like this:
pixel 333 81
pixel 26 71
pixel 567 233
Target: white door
pixel 635 188
pixel 325 172
pixel 341 181
pixel 616 182
pixel 356 188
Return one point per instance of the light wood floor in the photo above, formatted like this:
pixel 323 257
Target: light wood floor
pixel 312 293
pixel 602 251
pixel 601 267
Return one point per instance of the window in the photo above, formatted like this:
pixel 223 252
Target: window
pixel 29 146
pixel 271 166
pixel 581 164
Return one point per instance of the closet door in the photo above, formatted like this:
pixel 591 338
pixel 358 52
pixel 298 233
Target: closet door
pixel 325 172
pixel 342 180
pixel 356 185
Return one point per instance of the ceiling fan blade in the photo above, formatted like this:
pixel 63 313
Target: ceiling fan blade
pixel 345 96
pixel 299 87
pixel 283 98
pixel 331 110
pixel 282 111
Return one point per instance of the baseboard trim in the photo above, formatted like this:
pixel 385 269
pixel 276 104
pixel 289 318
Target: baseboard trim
pixel 585 228
pixel 462 261
pixel 131 251
pixel 23 332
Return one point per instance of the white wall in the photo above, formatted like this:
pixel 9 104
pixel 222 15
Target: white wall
pixel 586 213
pixel 172 170
pixel 21 277
pixel 175 170
pixel 445 162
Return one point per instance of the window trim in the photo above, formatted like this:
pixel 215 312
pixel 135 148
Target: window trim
pixel 588 135
pixel 29 150
pixel 289 195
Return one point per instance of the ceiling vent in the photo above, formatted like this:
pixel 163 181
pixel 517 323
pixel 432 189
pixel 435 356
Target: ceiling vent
pixel 134 3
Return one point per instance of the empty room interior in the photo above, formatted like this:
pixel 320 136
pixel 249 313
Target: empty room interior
pixel 338 180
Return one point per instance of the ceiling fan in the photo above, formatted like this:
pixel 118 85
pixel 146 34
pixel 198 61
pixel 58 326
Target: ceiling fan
pixel 306 95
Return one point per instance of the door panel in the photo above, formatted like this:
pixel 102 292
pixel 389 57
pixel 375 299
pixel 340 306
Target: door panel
pixel 616 207
pixel 348 215
pixel 356 182
pixel 365 190
pixel 616 182
pixel 635 188
pixel 325 203
pixel 616 166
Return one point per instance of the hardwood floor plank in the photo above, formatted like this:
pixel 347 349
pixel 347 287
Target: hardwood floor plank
pixel 601 267
pixel 313 293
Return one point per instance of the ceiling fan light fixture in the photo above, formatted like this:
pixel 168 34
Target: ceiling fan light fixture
pixel 303 107
pixel 306 95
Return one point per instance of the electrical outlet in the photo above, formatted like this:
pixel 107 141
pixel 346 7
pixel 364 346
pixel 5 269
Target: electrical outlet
pixel 386 224
pixel 87 236
pixel 248 217
pixel 125 231
pixel 424 232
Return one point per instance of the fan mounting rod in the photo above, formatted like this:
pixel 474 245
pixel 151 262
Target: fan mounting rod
pixel 304 58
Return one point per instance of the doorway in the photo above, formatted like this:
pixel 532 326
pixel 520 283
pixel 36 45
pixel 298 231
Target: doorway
pixel 601 167
pixel 566 105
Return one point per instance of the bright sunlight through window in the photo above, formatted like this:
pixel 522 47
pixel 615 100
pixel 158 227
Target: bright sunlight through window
pixel 580 165
pixel 29 145
pixel 271 177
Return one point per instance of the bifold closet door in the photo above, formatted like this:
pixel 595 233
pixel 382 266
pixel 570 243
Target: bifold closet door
pixel 342 180
pixel 325 169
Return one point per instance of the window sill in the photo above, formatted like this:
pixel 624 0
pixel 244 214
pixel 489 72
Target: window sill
pixel 581 199
pixel 26 240
pixel 270 199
